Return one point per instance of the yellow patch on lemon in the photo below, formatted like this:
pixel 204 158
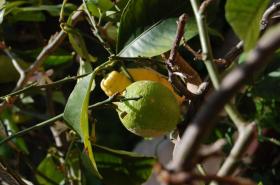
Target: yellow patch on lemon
pixel 117 81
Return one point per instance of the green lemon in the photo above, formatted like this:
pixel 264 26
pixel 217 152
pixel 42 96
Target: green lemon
pixel 155 113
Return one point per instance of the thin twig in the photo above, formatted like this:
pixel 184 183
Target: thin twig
pixel 180 32
pixel 237 151
pixel 96 29
pixel 204 120
pixel 176 66
pixel 37 126
pixel 15 63
pixel 182 177
pixel 114 98
pixel 267 15
pixel 61 14
pixel 53 44
pixel 51 112
pixel 49 85
pixel 222 63
pixel 197 55
pixel 233 53
pixel 204 5
pixel 207 56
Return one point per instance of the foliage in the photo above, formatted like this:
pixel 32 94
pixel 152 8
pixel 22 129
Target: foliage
pixel 87 144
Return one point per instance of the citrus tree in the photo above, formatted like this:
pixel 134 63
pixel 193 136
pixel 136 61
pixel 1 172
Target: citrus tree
pixel 82 82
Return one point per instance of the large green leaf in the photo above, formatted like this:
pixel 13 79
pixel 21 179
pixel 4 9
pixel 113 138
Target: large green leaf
pixel 138 15
pixel 76 113
pixel 244 16
pixel 121 167
pixel 157 39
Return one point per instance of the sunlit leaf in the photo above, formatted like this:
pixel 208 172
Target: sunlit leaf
pixel 139 15
pixel 76 113
pixel 157 39
pixel 244 16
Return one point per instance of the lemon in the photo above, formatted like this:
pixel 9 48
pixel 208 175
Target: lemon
pixel 117 81
pixel 155 113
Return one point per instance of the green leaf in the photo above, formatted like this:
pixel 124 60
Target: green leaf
pixel 28 16
pixel 97 7
pixel 244 16
pixel 84 68
pixel 267 114
pixel 34 13
pixel 57 58
pixel 121 167
pixel 10 6
pixel 2 10
pixel 76 113
pixel 77 42
pixel 157 39
pixel 10 74
pixel 54 10
pixel 12 128
pixel 76 108
pixel 139 15
pixel 49 168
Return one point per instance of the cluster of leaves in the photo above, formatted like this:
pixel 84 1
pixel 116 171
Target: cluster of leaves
pixel 110 35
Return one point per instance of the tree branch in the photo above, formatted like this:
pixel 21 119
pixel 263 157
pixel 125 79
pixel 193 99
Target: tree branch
pixel 204 5
pixel 54 42
pixel 182 76
pixel 207 57
pixel 182 178
pixel 267 15
pixel 180 32
pixel 35 86
pixel 14 61
pixel 204 120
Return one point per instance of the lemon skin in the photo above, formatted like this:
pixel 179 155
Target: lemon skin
pixel 155 113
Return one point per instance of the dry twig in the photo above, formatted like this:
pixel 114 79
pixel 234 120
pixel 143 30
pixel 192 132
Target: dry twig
pixel 181 178
pixel 204 120
pixel 266 18
pixel 54 42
